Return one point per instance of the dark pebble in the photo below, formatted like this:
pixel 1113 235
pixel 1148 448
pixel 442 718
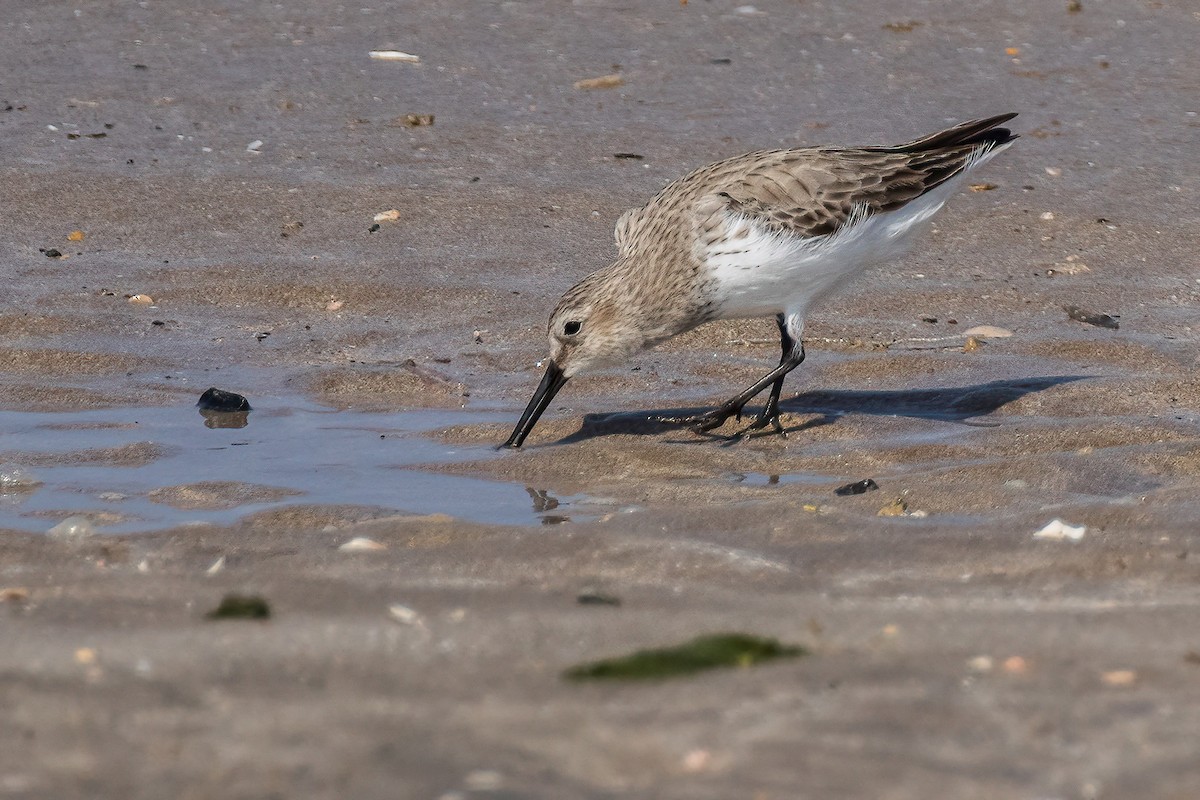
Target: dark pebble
pixel 237 606
pixel 52 253
pixel 861 487
pixel 220 400
pixel 629 156
pixel 1092 318
pixel 597 599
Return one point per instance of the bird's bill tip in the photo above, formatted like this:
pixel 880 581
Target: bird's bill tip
pixel 552 381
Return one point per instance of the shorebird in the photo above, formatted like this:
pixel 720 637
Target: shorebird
pixel 765 233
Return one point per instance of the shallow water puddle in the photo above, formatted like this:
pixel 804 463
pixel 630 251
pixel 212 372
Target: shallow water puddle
pixel 140 469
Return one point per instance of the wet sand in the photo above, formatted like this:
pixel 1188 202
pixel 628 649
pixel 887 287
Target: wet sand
pixel 952 654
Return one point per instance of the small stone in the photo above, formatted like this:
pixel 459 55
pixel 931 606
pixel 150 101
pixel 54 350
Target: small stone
pixel 1047 215
pixel 1120 677
pixel 85 656
pixel 1053 172
pixel 75 236
pixel 335 305
pixel 982 187
pixel 141 300
pixel 74 527
pixel 972 345
pixel 859 487
pixel 237 606
pixel 14 594
pixel 896 508
pixel 361 544
pixel 255 146
pixel 51 252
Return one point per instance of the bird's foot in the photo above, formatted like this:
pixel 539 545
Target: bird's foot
pixel 768 417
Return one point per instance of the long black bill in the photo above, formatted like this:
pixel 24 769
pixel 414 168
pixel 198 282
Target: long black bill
pixel 552 381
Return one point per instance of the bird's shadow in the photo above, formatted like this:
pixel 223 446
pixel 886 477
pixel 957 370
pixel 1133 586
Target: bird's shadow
pixel 950 404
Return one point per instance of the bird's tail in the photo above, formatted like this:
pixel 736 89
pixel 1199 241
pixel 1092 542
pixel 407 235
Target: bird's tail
pixel 977 132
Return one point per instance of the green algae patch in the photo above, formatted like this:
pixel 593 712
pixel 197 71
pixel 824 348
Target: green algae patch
pixel 702 653
pixel 238 606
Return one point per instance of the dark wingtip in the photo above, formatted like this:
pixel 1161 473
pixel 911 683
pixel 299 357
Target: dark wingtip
pixel 985 131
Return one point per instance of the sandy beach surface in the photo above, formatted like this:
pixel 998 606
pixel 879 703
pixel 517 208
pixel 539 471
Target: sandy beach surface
pixel 189 200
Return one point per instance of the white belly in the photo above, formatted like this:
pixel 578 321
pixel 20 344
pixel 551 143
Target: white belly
pixel 760 272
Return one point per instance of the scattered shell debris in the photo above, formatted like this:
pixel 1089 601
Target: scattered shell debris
pixel 416 120
pixel 1057 530
pixel 394 55
pixel 981 664
pixel 361 544
pixel 405 615
pixel 391 215
pixel 987 332
pixel 1070 266
pixel 1120 677
pixel 602 82
pixel 1015 665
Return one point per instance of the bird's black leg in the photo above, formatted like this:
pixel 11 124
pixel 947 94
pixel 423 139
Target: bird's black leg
pixel 793 354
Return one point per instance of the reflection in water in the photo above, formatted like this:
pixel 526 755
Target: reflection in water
pixel 297 454
pixel 542 500
pixel 225 419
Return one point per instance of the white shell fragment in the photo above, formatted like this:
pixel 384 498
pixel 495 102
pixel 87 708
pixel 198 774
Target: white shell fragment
pixel 988 332
pixel 403 614
pixel 1057 531
pixel 361 544
pixel 394 55
pixel 75 527
pixel 216 566
pixel 254 146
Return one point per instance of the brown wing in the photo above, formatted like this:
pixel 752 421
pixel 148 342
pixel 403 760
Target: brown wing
pixel 812 192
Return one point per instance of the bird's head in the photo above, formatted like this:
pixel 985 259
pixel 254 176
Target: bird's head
pixel 593 326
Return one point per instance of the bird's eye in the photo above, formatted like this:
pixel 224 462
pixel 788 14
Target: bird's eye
pixel 572 327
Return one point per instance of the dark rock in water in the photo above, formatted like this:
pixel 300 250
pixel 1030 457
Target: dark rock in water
pixel 220 400
pixel 861 487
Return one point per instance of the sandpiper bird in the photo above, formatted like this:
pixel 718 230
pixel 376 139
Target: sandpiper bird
pixel 766 233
